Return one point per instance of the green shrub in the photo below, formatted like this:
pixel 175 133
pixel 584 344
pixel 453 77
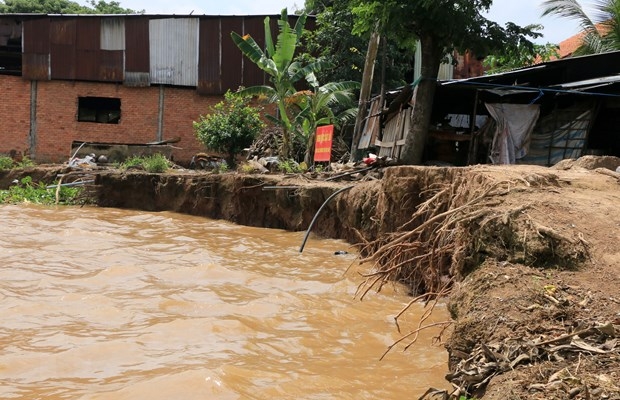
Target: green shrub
pixel 25 162
pixel 8 163
pixel 5 163
pixel 292 167
pixel 156 163
pixel 231 126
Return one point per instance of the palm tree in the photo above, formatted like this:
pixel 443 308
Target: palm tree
pixel 601 34
pixel 277 62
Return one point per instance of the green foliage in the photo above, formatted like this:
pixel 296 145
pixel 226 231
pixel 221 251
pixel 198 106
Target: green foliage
pixel 5 163
pixel 440 27
pixel 520 57
pixel 63 7
pixel 112 7
pixel 231 126
pixel 601 34
pixel 292 167
pixel 28 192
pixel 9 163
pixel 25 162
pixel 156 163
pixel 221 168
pixel 462 24
pixel 332 40
pixel 332 103
pixel 277 62
pixel 131 162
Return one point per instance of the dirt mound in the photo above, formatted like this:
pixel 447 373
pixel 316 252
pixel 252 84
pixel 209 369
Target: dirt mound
pixel 589 162
pixel 532 255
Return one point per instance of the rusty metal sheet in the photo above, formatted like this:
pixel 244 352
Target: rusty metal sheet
pixel 62 30
pixel 209 59
pixel 112 33
pixel 173 50
pixel 87 65
pixel 111 65
pixel 252 74
pixel 36 67
pixel 137 79
pixel 88 32
pixel 136 44
pixel 62 61
pixel 36 36
pixel 232 58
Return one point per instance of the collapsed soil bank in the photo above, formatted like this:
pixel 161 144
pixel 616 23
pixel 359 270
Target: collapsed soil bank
pixel 532 253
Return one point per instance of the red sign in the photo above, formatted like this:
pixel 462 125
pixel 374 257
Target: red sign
pixel 323 147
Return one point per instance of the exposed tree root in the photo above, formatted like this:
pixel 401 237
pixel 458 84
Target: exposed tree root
pixel 422 252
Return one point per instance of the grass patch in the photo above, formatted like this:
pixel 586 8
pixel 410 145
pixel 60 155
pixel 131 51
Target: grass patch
pixel 156 163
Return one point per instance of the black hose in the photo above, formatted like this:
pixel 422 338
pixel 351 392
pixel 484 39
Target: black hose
pixel 301 249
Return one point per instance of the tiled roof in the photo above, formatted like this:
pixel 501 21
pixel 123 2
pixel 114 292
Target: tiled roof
pixel 568 46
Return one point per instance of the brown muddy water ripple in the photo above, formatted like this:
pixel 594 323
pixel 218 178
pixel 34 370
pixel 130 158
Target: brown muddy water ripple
pixel 99 303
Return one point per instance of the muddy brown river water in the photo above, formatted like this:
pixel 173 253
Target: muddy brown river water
pixel 114 304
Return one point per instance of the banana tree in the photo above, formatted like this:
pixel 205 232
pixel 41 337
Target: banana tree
pixel 277 62
pixel 332 103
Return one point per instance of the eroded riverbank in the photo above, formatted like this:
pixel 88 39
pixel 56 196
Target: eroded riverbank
pixel 531 253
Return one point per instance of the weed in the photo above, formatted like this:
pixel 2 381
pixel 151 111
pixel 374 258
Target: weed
pixel 27 191
pixel 156 163
pixel 289 167
pixel 5 163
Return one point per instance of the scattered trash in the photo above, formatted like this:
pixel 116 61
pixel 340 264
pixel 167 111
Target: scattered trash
pixel 206 161
pixel 340 252
pixel 88 161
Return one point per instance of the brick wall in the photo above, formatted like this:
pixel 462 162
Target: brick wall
pixel 58 126
pixel 14 114
pixel 181 108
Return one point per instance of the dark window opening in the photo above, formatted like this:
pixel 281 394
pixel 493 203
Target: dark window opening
pixel 10 47
pixel 103 110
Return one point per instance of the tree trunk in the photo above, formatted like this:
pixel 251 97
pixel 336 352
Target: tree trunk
pixel 413 152
pixel 369 68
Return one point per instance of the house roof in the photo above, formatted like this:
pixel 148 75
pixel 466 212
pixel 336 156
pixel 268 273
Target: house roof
pixel 569 45
pixel 595 75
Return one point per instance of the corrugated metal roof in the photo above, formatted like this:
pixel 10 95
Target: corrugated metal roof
pixel 111 65
pixel 36 49
pixel 86 65
pixel 209 58
pixel 62 48
pixel 62 31
pixel 136 48
pixel 137 79
pixel 113 34
pixel 36 36
pixel 174 51
pixel 36 66
pixel 590 83
pixel 62 61
pixel 87 33
pixel 232 59
pixel 252 74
